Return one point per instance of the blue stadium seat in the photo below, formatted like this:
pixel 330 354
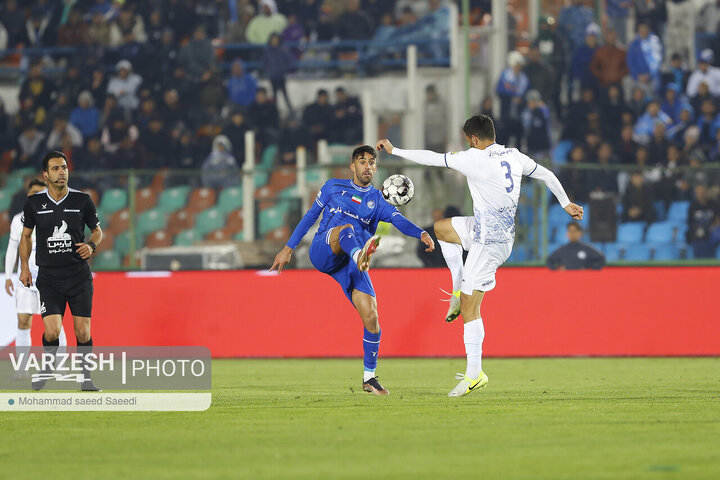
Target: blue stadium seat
pixel 561 151
pixel 659 209
pixel 661 232
pixel 664 251
pixel 678 211
pixel 636 252
pixel 519 254
pixel 681 229
pixel 611 251
pixel 631 232
pixel 717 252
pixel 558 217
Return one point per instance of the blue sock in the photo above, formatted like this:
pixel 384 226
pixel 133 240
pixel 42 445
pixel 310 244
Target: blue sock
pixel 348 241
pixel 371 345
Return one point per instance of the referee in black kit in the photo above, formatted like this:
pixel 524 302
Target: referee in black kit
pixel 59 215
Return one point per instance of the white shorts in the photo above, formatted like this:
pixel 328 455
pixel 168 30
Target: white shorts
pixel 27 300
pixel 482 261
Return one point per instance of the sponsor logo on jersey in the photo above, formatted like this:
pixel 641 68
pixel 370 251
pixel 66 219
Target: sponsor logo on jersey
pixel 356 199
pixel 59 241
pixel 366 221
pixel 370 204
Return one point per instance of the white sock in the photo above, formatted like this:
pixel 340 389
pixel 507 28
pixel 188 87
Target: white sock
pixel 62 338
pixel 367 375
pixel 22 338
pixel 473 336
pixel 453 257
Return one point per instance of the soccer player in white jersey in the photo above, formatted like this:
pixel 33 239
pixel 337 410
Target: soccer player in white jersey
pixel 27 299
pixel 494 173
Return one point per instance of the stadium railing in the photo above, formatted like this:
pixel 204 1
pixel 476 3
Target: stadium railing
pixel 366 56
pixel 145 210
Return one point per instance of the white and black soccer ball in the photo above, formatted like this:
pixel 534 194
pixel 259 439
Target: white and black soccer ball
pixel 398 189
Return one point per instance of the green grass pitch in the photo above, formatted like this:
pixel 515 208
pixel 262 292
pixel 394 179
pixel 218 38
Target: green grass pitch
pixel 619 418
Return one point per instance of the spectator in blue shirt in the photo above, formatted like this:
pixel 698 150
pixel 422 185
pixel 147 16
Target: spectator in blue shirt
pixel 645 55
pixel 511 88
pixel 617 12
pixel 86 117
pixel 674 102
pixel 582 58
pixel 572 22
pixel 241 86
pixel 646 123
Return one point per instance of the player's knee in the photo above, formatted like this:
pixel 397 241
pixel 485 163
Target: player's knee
pixel 347 225
pixel 24 322
pixel 371 321
pixel 82 335
pixel 52 332
pixel 442 229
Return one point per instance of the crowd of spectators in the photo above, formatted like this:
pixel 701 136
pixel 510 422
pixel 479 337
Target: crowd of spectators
pixel 147 87
pixel 636 103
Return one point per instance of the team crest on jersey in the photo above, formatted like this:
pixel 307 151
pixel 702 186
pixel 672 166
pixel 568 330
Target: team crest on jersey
pixel 370 204
pixel 60 241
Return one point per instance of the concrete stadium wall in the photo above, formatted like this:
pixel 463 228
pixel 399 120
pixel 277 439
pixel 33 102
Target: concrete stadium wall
pixel 302 313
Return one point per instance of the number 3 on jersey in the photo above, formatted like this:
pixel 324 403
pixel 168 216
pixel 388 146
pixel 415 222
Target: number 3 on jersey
pixel 508 175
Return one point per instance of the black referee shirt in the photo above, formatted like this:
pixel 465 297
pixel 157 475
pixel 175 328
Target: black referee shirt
pixel 59 226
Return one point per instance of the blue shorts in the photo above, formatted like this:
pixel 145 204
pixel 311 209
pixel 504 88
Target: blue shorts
pixel 340 267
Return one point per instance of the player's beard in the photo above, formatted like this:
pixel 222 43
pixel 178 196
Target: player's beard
pixel 364 180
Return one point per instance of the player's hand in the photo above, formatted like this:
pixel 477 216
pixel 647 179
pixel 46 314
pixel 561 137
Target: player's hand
pixel 26 278
pixel 427 240
pixel 281 259
pixel 9 286
pixel 575 211
pixel 84 250
pixel 384 144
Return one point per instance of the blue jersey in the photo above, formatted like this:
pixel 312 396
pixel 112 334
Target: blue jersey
pixel 343 202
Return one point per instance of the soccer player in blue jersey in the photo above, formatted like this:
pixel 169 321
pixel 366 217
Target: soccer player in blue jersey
pixel 345 241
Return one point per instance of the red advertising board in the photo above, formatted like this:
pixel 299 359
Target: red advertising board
pixel 303 313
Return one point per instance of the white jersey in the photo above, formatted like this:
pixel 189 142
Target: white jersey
pixel 494 176
pixel 11 256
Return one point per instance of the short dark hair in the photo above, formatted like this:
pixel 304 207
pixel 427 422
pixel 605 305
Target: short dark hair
pixel 576 225
pixel 50 155
pixel 481 126
pixel 363 149
pixel 36 182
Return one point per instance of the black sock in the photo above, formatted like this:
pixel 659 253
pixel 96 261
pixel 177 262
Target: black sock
pixel 51 348
pixel 54 343
pixel 85 348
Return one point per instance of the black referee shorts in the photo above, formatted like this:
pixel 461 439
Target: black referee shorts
pixel 71 285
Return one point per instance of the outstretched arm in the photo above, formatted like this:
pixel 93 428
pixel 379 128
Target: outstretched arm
pixel 283 257
pixel 552 182
pixel 423 157
pixel 406 227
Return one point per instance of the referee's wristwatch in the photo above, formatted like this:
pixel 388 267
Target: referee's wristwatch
pixel 93 246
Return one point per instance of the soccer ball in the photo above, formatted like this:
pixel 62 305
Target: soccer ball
pixel 398 189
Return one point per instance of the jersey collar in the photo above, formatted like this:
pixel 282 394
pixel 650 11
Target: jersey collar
pixel 59 201
pixel 358 187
